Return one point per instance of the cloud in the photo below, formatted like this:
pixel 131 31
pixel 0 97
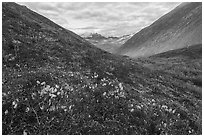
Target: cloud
pixel 107 18
pixel 87 28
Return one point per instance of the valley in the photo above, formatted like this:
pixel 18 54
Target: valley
pixel 109 44
pixel 54 82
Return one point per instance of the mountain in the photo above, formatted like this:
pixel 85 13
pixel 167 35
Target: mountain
pixel 182 27
pixel 95 36
pixel 184 63
pixel 109 44
pixel 192 52
pixel 55 82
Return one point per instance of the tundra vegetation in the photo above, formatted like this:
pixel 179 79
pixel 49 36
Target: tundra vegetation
pixel 54 82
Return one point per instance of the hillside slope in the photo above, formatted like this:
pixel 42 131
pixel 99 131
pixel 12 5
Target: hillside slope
pixel 182 27
pixel 55 82
pixel 191 52
pixel 184 63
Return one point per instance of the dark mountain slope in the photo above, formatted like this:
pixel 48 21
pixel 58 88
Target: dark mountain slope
pixel 179 28
pixel 54 82
pixel 184 63
pixel 191 52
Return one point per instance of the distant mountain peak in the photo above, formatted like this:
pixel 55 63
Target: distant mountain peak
pixel 110 43
pixel 95 36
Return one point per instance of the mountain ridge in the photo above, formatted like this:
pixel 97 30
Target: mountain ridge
pixel 179 28
pixel 109 44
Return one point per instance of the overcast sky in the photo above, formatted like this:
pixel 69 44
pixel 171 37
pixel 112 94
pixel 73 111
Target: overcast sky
pixel 109 19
